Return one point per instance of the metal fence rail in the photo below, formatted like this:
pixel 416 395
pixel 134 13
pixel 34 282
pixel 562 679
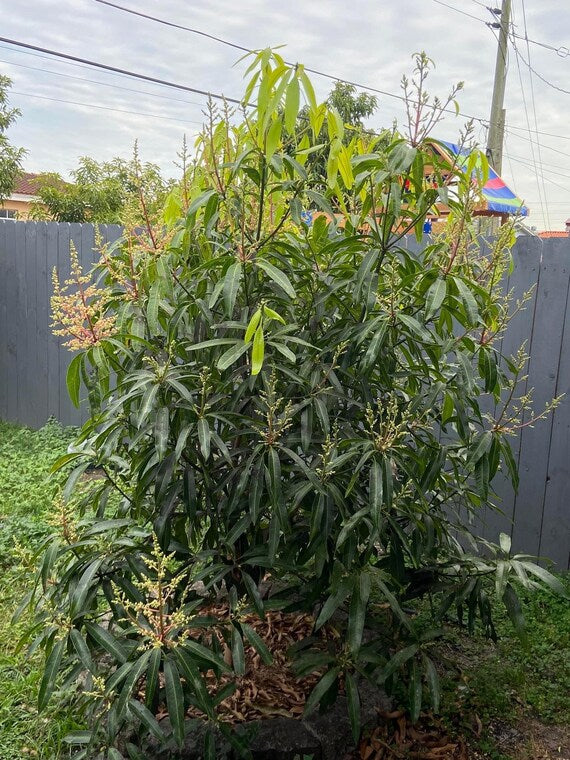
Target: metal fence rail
pixel 33 365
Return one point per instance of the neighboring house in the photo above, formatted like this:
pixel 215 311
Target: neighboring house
pixel 557 233
pixel 17 205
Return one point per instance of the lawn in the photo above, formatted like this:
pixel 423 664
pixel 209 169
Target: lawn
pixel 509 701
pixel 26 496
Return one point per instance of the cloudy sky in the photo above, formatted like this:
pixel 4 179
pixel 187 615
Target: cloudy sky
pixel 70 110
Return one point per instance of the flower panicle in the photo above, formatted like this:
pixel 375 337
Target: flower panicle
pixel 78 309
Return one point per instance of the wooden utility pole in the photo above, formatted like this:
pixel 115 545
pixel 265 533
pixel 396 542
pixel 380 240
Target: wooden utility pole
pixel 497 120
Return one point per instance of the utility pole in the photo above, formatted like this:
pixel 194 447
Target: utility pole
pixel 498 113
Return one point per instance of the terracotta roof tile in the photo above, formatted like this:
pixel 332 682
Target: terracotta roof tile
pixel 26 184
pixel 554 234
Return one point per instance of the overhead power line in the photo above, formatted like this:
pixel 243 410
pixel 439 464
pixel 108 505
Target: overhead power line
pixel 534 109
pixel 104 108
pixel 102 84
pixel 317 72
pixel 116 70
pixel 451 7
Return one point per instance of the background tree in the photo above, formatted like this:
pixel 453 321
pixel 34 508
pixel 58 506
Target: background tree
pixel 10 157
pixel 104 193
pixel 353 108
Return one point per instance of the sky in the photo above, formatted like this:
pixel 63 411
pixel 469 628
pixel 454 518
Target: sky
pixel 366 41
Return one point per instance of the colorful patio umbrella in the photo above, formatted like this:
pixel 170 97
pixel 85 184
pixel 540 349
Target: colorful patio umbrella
pixel 499 198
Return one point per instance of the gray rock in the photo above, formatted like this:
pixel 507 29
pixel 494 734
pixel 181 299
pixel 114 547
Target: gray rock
pixel 326 736
pixel 282 739
pixel 333 727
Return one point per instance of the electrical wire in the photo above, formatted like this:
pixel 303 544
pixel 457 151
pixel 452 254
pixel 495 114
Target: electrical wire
pixel 317 72
pixel 104 108
pixel 126 72
pixel 451 7
pixel 534 107
pixel 540 187
pixel 103 84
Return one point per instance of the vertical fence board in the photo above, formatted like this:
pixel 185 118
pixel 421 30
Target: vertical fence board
pixel 525 275
pixel 3 317
pixel 11 324
pixel 53 342
pixel 43 289
pixel 22 323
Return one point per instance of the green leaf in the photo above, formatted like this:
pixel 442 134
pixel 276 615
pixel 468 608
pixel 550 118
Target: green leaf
pixel 273 138
pixel 200 201
pixel 105 640
pixel 321 689
pixel 514 610
pixel 270 314
pixel 278 277
pixel 206 654
pixel 238 655
pixel 415 327
pixel 152 308
pixel 479 448
pixel 147 719
pixel 257 643
pixel 505 542
pixel 204 437
pixel 253 593
pixel 357 610
pixel 81 649
pixel 209 745
pixel 152 679
pixel 468 300
pixel 194 679
pixel 399 659
pixel 73 378
pixel 51 671
pixel 551 580
pixel 447 409
pixel 350 525
pixel 162 431
pixel 333 602
pixel 292 105
pixel 353 699
pixel 84 587
pixel 415 692
pixel 376 491
pixel 231 286
pixel 130 682
pixel 433 682
pixel 231 356
pixel 435 297
pixel 345 168
pixel 258 351
pixel 252 326
pixel 174 700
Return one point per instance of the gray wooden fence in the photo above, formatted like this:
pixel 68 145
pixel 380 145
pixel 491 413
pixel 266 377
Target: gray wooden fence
pixel 33 363
pixel 33 366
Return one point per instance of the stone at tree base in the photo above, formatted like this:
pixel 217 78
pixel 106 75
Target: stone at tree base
pixel 326 736
pixel 282 739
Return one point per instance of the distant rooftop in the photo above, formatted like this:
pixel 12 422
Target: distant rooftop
pixel 554 234
pixel 26 184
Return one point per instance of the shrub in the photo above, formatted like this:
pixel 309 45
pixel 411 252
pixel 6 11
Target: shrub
pixel 295 422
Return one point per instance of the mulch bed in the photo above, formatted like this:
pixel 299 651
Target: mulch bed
pixel 264 691
pixel 395 738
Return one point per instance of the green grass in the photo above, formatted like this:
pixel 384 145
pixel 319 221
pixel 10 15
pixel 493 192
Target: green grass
pixel 26 493
pixel 510 681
